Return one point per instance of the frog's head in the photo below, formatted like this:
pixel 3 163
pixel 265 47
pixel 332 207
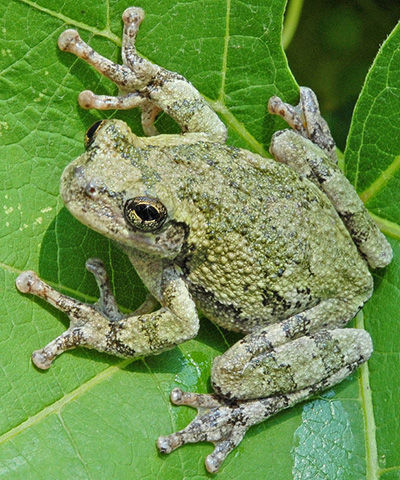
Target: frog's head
pixel 105 190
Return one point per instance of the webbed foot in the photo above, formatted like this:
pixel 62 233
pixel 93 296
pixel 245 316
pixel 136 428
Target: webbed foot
pixel 225 422
pixel 218 421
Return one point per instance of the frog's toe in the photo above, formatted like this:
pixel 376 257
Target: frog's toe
pixel 223 449
pixel 87 99
pixel 68 39
pixel 133 15
pixel 197 400
pixel 216 422
pixel 41 360
pixel 29 282
pixel 170 443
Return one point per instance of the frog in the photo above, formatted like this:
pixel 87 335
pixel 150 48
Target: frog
pixel 278 249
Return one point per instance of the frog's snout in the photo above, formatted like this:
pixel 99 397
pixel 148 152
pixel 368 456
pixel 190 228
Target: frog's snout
pixel 72 182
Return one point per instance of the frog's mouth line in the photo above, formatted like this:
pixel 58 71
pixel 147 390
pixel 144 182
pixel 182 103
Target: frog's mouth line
pixel 108 221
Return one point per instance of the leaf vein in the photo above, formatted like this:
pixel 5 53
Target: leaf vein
pixel 106 32
pixel 57 406
pixel 389 469
pixel 381 181
pixel 387 227
pixel 169 406
pixel 85 466
pixel 371 448
pixel 221 96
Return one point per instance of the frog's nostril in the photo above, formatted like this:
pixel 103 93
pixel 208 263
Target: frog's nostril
pixel 91 189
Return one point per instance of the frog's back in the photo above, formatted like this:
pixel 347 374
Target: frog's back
pixel 263 243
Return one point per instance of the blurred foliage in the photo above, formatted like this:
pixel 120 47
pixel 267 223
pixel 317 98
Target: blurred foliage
pixel 333 48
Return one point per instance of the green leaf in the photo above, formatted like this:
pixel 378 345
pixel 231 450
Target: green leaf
pixel 373 152
pixel 372 159
pixel 97 416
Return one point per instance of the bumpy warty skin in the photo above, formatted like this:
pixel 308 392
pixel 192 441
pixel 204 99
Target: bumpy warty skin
pixel 260 242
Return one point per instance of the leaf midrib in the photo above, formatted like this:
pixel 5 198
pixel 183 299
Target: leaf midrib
pixel 381 181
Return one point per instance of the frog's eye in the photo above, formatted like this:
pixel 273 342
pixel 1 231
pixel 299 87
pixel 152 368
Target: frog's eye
pixel 145 213
pixel 91 133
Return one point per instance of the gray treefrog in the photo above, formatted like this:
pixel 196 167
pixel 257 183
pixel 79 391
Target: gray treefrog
pixel 276 249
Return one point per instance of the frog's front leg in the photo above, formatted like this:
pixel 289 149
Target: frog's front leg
pixel 145 85
pixel 270 370
pixel 306 119
pixel 102 326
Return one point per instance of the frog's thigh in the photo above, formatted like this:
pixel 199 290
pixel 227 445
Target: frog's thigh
pixel 295 353
pixel 310 161
pixel 293 366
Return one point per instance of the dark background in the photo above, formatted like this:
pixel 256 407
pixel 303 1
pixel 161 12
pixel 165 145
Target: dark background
pixel 334 45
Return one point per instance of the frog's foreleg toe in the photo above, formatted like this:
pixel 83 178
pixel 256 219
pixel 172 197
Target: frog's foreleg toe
pixel 306 119
pixel 106 304
pixel 216 422
pixel 149 115
pixel 71 338
pixel 132 18
pixel 87 99
pixel 88 323
pixel 121 75
pixel 29 282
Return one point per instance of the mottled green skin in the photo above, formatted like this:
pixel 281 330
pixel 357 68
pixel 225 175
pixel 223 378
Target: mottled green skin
pixel 259 243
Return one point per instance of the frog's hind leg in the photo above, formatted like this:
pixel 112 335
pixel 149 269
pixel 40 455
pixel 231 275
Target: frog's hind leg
pixel 225 422
pixel 270 370
pixel 145 85
pixel 309 150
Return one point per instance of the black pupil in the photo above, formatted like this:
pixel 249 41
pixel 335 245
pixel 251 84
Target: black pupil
pixel 92 130
pixel 147 213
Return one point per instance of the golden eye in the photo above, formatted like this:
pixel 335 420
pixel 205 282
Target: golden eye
pixel 145 213
pixel 90 135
